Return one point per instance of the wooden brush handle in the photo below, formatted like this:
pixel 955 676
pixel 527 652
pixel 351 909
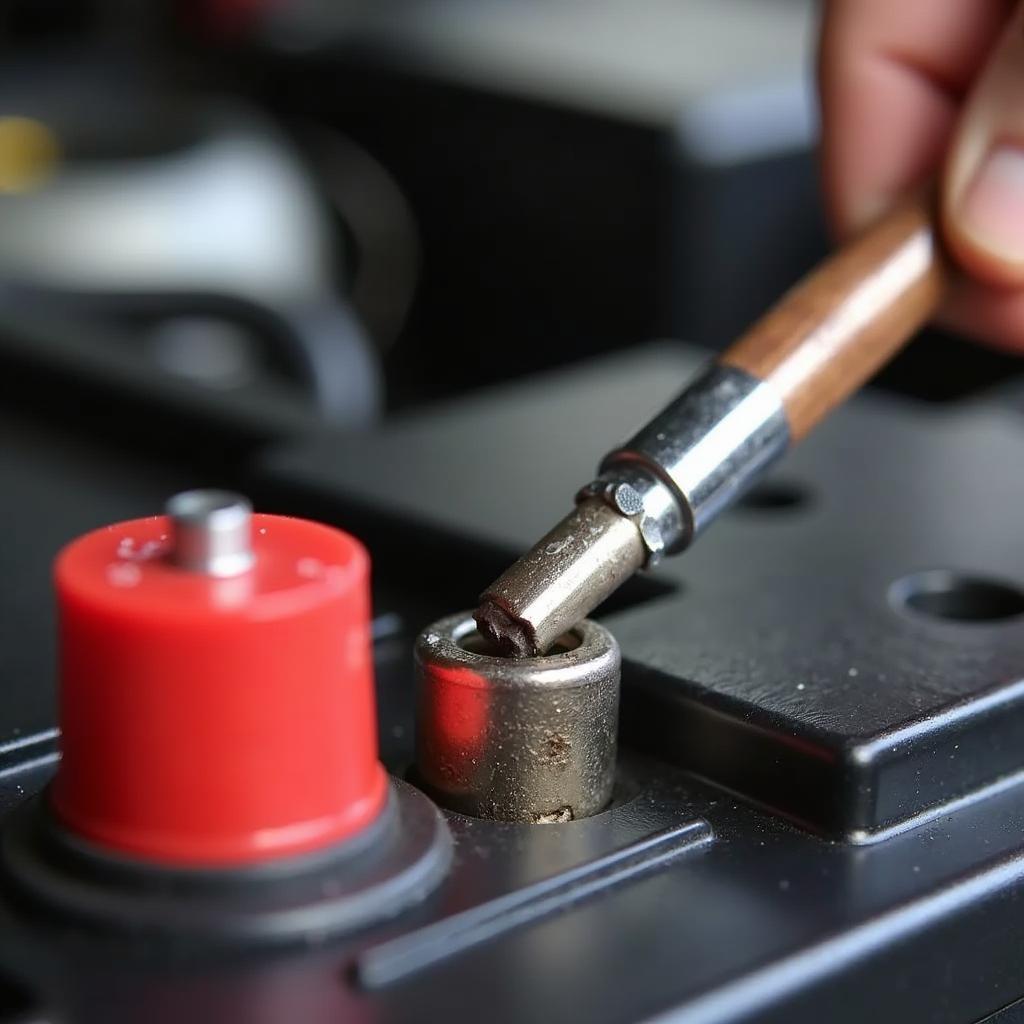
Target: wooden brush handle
pixel 839 325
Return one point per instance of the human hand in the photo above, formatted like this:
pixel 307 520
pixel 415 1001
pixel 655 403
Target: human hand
pixel 913 89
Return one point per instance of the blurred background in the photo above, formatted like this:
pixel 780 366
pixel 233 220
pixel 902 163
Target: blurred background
pixel 324 210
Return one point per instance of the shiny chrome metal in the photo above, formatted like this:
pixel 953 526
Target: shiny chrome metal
pixel 567 574
pixel 211 532
pixel 634 492
pixel 697 456
pixel 657 492
pixel 517 739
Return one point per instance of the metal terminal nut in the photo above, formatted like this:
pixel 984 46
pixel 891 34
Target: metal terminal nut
pixel 641 498
pixel 517 739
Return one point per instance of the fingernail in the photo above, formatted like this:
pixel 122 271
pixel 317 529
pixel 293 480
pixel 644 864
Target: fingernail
pixel 992 210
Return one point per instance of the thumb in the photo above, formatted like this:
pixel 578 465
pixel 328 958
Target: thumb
pixel 983 184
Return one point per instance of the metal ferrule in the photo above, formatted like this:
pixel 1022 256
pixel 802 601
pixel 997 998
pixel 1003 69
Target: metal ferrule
pixel 694 458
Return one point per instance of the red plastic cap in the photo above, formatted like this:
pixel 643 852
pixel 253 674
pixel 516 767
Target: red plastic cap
pixel 216 721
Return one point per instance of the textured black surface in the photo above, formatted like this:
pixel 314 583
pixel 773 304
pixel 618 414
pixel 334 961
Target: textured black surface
pixel 790 648
pixel 386 869
pixel 763 923
pixel 780 664
pixel 759 920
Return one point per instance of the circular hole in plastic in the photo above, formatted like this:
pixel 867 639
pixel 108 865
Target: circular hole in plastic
pixel 957 597
pixel 775 496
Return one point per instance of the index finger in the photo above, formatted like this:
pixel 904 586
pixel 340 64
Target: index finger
pixel 892 75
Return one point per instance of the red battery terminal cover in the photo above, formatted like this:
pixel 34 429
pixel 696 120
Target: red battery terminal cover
pixel 216 721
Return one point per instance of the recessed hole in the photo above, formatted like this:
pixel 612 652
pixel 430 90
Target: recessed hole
pixel 775 496
pixel 941 594
pixel 476 644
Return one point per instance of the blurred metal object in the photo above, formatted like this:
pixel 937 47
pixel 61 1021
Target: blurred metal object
pixel 198 223
pixel 193 211
pixel 204 349
pixel 525 739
